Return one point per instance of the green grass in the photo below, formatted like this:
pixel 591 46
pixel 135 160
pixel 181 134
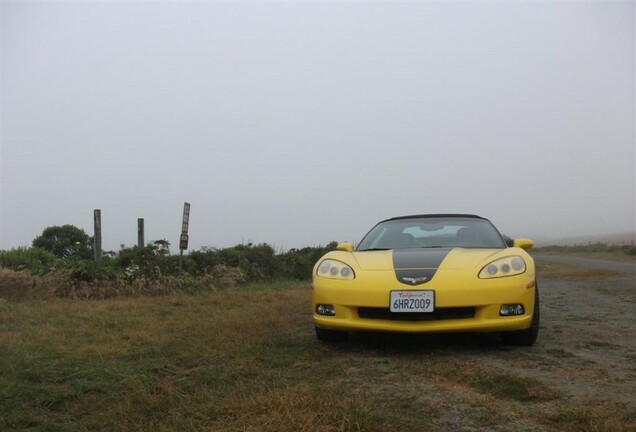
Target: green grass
pixel 507 386
pixel 246 359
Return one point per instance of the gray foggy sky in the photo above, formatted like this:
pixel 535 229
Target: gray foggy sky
pixel 300 123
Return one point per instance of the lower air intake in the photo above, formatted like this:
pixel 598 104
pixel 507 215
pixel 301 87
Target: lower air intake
pixel 436 315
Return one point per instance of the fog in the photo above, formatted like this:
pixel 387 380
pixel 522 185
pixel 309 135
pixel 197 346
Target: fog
pixel 296 124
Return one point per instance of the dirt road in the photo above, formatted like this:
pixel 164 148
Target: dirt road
pixel 587 344
pixel 587 341
pixel 584 360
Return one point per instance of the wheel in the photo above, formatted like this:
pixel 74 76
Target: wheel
pixel 528 336
pixel 331 335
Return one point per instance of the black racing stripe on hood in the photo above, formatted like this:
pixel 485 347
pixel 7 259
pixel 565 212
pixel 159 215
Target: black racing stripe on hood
pixel 417 266
pixel 419 258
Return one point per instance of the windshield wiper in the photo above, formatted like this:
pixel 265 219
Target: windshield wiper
pixel 372 249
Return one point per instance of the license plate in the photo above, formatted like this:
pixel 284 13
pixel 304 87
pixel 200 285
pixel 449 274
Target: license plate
pixel 412 301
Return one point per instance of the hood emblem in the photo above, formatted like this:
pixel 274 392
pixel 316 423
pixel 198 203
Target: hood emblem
pixel 414 280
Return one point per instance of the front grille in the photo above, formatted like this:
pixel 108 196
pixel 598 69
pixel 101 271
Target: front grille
pixel 437 314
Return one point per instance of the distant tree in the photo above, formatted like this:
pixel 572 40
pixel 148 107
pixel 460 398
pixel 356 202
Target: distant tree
pixel 509 240
pixel 163 246
pixel 65 241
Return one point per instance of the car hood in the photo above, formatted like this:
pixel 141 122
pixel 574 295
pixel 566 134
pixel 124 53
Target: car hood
pixel 425 258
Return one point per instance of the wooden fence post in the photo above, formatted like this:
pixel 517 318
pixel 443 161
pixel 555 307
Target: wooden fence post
pixel 140 232
pixel 97 218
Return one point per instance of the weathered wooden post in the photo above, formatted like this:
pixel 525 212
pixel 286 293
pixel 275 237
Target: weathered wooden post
pixel 97 219
pixel 183 240
pixel 140 232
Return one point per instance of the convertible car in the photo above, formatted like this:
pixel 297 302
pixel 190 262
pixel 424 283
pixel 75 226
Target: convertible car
pixel 428 274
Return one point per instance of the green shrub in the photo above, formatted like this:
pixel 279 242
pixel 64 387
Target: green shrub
pixel 149 261
pixel 35 260
pixel 86 270
pixel 298 263
pixel 259 263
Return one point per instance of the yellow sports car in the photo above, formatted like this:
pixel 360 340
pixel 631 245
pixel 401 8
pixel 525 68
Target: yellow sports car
pixel 428 274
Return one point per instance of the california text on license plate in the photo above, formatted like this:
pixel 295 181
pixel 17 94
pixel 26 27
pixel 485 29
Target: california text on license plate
pixel 412 301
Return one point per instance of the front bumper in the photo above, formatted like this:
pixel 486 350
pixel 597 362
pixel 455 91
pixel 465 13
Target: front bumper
pixel 462 303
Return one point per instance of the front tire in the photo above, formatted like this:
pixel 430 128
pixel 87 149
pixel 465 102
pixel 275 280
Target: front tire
pixel 326 335
pixel 528 336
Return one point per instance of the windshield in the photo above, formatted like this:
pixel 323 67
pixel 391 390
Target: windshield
pixel 432 232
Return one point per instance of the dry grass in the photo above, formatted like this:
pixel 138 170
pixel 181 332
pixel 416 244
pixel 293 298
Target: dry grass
pixel 247 360
pixel 552 270
pixel 20 285
pixel 602 417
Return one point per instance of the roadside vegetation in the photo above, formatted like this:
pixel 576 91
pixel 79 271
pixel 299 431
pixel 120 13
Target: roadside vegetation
pixel 60 264
pixel 611 252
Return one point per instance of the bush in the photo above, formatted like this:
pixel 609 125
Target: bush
pixel 87 271
pixel 35 260
pixel 298 263
pixel 150 262
pixel 259 263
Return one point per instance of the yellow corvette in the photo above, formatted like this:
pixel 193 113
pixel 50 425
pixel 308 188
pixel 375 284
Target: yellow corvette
pixel 428 274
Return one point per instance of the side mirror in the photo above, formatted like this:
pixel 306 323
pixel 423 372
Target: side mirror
pixel 345 247
pixel 523 243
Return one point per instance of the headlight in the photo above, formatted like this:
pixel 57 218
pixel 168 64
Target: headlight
pixel 335 270
pixel 509 266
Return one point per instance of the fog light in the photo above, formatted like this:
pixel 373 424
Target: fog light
pixel 326 310
pixel 511 310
